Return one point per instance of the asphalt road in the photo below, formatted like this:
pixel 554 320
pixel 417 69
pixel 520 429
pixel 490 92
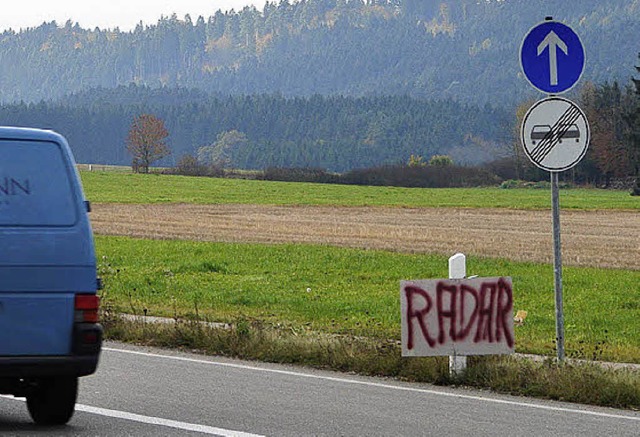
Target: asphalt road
pixel 151 392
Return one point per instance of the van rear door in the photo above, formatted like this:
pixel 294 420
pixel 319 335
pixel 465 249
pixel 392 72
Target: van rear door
pixel 46 245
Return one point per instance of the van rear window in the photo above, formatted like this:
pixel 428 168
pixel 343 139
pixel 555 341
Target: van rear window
pixel 35 185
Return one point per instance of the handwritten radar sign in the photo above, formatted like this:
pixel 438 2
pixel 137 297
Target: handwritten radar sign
pixel 457 317
pixel 555 134
pixel 552 57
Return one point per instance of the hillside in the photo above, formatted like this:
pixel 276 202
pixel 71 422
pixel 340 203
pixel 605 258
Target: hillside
pixel 465 50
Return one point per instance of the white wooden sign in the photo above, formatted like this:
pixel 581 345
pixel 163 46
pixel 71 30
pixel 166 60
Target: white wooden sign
pixel 457 317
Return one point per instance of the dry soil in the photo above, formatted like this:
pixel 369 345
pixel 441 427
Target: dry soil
pixel 609 239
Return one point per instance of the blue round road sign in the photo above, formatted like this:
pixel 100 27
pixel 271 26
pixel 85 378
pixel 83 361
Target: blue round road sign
pixel 552 57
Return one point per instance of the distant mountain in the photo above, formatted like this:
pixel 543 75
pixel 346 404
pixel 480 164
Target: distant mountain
pixel 465 50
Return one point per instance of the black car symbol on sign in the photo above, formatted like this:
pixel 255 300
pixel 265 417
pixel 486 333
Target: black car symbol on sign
pixel 569 131
pixel 542 131
pixel 539 132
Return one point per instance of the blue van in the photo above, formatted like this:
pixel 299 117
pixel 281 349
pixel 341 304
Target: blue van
pixel 49 327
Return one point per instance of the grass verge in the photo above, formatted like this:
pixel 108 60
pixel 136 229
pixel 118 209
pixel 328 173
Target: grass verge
pixel 253 340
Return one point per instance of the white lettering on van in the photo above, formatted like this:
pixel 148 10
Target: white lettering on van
pixel 14 187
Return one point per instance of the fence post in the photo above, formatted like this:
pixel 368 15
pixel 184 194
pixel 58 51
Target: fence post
pixel 457 270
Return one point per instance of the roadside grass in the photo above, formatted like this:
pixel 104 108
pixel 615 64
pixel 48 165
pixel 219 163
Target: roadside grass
pixel 307 289
pixel 581 382
pixel 117 187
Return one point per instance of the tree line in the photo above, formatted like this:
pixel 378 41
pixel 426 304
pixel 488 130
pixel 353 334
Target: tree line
pixel 614 116
pixel 330 132
pixel 334 134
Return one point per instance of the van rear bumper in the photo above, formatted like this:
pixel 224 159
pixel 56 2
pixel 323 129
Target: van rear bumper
pixel 38 367
pixel 83 360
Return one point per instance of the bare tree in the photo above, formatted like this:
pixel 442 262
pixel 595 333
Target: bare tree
pixel 146 142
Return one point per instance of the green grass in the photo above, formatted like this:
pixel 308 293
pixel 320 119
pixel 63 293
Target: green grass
pixel 356 292
pixel 138 188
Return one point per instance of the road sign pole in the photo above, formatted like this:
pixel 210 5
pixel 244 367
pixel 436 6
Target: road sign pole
pixel 557 264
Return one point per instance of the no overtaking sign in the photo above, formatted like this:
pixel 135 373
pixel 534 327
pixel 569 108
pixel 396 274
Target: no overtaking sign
pixel 555 134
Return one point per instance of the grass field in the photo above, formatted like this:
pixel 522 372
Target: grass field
pixel 116 187
pixel 356 292
pixel 353 291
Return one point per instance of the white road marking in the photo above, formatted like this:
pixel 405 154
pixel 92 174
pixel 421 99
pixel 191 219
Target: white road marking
pixel 379 385
pixel 204 429
pixel 150 420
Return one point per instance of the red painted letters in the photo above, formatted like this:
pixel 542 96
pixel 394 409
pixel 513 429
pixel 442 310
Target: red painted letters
pixel 459 314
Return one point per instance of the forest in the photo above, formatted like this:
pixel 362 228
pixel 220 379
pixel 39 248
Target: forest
pixel 466 50
pixel 331 132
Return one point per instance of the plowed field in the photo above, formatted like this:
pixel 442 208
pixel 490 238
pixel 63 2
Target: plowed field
pixel 609 239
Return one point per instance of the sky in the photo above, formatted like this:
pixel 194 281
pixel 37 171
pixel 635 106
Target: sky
pixel 125 14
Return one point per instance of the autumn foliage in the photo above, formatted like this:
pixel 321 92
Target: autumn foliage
pixel 146 142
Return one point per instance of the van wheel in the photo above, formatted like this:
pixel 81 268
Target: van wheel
pixel 53 401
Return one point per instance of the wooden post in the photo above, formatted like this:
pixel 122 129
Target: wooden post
pixel 457 270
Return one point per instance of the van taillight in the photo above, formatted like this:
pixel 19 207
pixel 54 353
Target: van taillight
pixel 86 308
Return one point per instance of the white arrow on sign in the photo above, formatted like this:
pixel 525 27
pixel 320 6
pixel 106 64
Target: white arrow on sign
pixel 554 42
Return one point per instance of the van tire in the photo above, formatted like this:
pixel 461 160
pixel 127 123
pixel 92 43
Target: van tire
pixel 53 400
